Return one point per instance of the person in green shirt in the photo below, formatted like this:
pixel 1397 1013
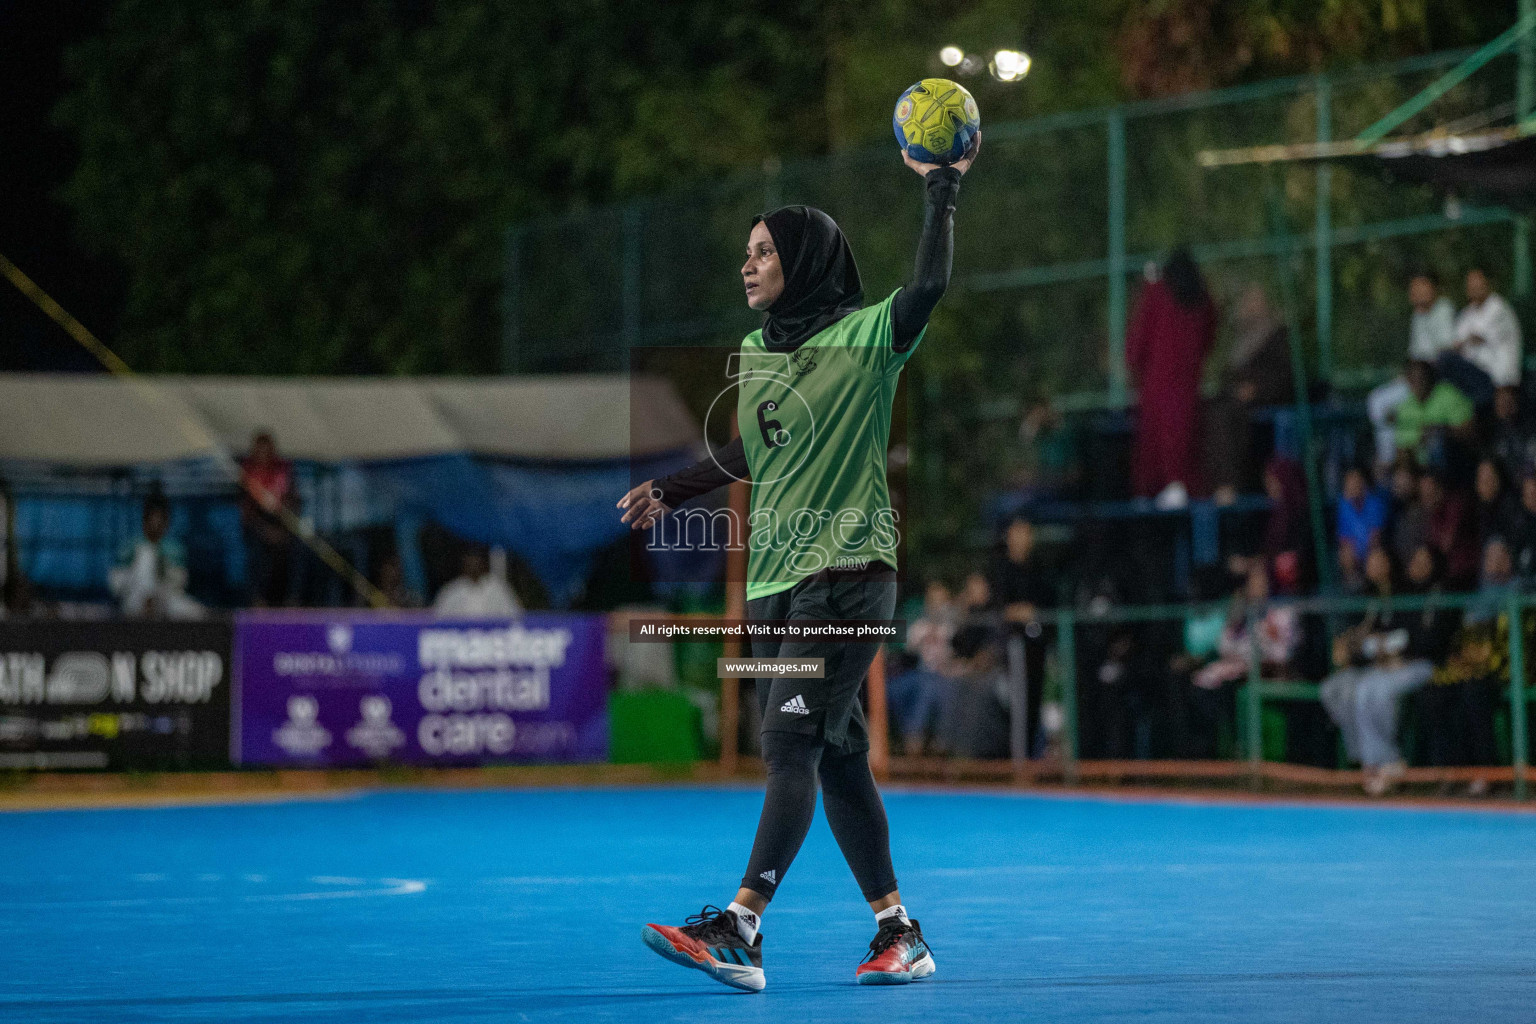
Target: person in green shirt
pixel 814 389
pixel 1432 404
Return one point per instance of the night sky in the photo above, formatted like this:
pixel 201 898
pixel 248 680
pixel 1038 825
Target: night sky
pixel 37 230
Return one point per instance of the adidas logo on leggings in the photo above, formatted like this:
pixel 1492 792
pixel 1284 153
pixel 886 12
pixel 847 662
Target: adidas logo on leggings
pixel 795 706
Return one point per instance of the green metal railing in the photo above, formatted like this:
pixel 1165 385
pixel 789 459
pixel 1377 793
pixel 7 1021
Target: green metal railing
pixel 1053 230
pixel 1068 621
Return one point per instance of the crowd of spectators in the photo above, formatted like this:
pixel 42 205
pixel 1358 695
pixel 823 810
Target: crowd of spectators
pixel 1441 508
pixel 956 697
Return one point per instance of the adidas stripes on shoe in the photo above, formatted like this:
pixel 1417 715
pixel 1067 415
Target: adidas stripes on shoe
pixel 709 941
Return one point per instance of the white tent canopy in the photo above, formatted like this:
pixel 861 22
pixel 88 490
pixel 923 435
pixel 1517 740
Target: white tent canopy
pixel 102 421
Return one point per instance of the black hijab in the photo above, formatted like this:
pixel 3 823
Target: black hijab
pixel 821 280
pixel 1184 280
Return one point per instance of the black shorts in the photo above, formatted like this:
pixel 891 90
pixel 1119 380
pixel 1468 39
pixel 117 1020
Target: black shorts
pixel 828 707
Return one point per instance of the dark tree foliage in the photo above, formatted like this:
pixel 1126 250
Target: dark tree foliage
pixel 297 186
pixel 1174 46
pixel 294 186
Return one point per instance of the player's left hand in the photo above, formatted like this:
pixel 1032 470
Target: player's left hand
pixel 962 165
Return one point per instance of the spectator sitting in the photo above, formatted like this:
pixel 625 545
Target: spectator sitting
pixel 1285 547
pixel 1171 332
pixel 1488 343
pixel 1460 703
pixel 1498 511
pixel 391 582
pixel 1202 637
pixel 1522 540
pixel 1431 333
pixel 920 697
pixel 975 598
pixel 1362 513
pixel 150 579
pixel 266 491
pixel 979 724
pixel 1258 373
pixel 1114 710
pixel 1377 664
pixel 1278 632
pixel 18 601
pixel 1512 440
pixel 1410 521
pixel 1432 409
pixel 1452 529
pixel 476 592
pixel 1351 581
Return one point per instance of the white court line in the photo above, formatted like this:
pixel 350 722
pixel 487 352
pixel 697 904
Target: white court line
pixel 398 887
pixel 391 887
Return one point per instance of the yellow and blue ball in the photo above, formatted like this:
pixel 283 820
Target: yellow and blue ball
pixel 936 121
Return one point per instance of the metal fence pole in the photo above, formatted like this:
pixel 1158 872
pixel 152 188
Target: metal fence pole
pixel 1405 112
pixel 1066 653
pixel 1322 234
pixel 1118 381
pixel 1275 203
pixel 1525 102
pixel 1525 83
pixel 1018 703
pixel 1518 739
pixel 1252 708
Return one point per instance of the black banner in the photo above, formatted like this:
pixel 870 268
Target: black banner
pixel 114 695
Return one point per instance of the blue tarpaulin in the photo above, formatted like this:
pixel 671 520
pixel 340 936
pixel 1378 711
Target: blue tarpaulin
pixel 553 515
pixel 531 463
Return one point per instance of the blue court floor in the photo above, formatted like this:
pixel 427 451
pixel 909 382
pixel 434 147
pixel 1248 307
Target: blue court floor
pixel 527 906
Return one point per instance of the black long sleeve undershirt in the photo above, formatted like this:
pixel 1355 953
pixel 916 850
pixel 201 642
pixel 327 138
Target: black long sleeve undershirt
pixel 729 463
pixel 935 255
pixel 909 315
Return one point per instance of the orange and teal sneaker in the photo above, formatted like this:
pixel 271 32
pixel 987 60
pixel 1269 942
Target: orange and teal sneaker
pixel 897 955
pixel 709 942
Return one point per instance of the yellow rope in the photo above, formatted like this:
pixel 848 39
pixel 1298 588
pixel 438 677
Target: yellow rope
pixel 194 431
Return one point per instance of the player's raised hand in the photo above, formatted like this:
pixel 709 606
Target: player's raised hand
pixel 962 165
pixel 643 506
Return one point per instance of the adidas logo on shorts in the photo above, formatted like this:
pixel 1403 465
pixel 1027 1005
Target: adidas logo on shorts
pixel 770 876
pixel 795 706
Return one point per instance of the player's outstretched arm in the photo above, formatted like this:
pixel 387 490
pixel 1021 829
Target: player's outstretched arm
pixel 935 250
pixel 647 502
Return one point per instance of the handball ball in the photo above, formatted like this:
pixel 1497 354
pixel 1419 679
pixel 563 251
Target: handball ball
pixel 936 120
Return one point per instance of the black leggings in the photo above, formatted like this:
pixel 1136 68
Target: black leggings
pixel 853 807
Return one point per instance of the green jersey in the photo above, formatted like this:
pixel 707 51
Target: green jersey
pixel 815 424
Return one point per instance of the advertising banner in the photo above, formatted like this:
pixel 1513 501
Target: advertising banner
pixel 352 688
pixel 114 695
